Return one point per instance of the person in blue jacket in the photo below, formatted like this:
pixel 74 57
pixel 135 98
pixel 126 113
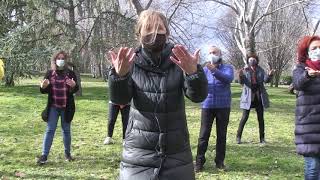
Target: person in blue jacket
pixel 215 106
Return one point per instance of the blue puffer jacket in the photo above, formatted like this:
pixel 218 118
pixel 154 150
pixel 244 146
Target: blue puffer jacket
pixel 219 93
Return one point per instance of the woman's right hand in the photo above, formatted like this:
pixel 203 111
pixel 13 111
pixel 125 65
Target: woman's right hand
pixel 44 83
pixel 123 60
pixel 240 72
pixel 312 72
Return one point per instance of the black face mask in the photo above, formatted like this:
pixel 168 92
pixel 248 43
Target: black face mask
pixel 157 45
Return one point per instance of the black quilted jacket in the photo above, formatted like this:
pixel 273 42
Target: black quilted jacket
pixel 307 129
pixel 157 138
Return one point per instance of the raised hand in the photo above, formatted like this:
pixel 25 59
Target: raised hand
pixel 187 62
pixel 240 72
pixel 212 67
pixel 71 83
pixel 44 83
pixel 312 72
pixel 123 60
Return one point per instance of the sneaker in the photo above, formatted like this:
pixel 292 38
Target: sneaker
pixel 221 167
pixel 263 141
pixel 68 157
pixel 108 140
pixel 238 140
pixel 198 167
pixel 42 160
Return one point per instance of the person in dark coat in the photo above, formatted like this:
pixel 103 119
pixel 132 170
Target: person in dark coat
pixel 114 110
pixel 60 84
pixel 306 80
pixel 254 94
pixel 155 78
pixel 215 106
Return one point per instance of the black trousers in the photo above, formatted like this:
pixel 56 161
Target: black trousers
pixel 113 114
pixel 222 120
pixel 245 115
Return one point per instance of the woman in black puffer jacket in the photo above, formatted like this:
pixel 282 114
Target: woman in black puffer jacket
pixel 155 78
pixel 306 80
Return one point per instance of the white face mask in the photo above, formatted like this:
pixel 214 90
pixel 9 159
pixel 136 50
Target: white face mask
pixel 60 62
pixel 252 62
pixel 213 59
pixel 314 54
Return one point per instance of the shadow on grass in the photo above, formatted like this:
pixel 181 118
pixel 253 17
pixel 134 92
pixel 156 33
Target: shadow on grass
pixel 257 159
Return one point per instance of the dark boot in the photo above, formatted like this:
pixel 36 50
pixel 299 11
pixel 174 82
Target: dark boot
pixel 198 167
pixel 42 160
pixel 262 139
pixel 238 140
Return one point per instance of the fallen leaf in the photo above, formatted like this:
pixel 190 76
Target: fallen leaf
pixel 20 174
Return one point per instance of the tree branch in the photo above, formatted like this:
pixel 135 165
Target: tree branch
pixel 278 9
pixel 316 28
pixel 305 17
pixel 94 24
pixel 226 4
pixel 149 4
pixel 137 5
pixel 174 11
pixel 59 4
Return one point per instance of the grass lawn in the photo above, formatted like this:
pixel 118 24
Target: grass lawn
pixel 22 130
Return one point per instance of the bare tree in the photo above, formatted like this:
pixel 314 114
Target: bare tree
pixel 248 14
pixel 279 37
pixel 233 54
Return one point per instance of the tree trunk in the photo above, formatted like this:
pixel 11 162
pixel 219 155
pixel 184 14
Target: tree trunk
pixel 74 52
pixel 277 78
pixel 9 80
pixel 77 73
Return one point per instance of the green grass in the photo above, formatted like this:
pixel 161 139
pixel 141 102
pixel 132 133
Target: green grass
pixel 22 130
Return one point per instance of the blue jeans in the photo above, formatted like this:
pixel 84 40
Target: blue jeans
pixel 51 128
pixel 312 168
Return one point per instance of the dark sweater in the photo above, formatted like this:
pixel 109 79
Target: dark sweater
pixel 70 107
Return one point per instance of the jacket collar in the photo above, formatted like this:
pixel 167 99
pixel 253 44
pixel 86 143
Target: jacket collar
pixel 148 61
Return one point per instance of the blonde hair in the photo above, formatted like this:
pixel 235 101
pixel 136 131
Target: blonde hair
pixel 151 19
pixel 54 58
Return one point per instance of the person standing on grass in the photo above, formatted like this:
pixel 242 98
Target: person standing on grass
pixel 254 94
pixel 215 106
pixel 155 78
pixel 60 84
pixel 113 114
pixel 306 80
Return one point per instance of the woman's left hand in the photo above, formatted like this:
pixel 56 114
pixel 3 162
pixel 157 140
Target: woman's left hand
pixel 71 83
pixel 187 62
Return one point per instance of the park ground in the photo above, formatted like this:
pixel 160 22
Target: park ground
pixel 22 130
